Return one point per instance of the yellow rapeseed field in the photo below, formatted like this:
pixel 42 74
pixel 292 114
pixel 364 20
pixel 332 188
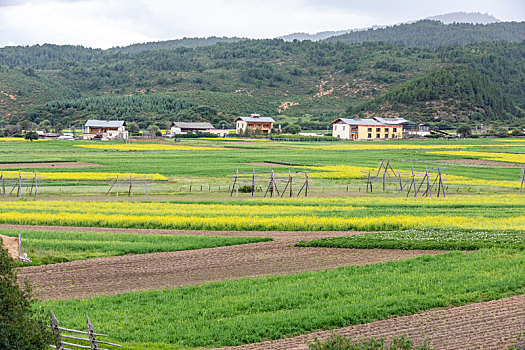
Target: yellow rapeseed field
pixel 84 175
pixel 291 214
pixel 500 157
pixel 11 139
pixel 148 147
pixel 402 146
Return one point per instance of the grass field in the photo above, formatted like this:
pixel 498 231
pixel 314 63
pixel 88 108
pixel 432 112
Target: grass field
pixel 49 247
pixel 213 160
pixel 439 239
pixel 251 310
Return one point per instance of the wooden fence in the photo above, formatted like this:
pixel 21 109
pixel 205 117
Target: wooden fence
pixel 94 343
pixel 276 186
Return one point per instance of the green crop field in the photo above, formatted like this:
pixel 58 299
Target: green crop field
pixel 209 165
pixel 425 239
pixel 251 310
pixel 49 247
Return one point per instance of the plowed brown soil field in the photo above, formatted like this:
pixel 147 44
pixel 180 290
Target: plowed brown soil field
pixel 494 324
pixel 114 275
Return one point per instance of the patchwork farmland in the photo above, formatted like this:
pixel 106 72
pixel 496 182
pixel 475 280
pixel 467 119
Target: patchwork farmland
pixel 271 244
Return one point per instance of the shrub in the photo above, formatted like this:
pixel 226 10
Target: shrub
pixel 338 342
pixel 21 327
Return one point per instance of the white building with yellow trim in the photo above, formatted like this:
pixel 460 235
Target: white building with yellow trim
pixel 365 129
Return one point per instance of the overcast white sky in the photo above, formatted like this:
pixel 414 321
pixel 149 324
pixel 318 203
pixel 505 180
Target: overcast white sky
pixel 107 23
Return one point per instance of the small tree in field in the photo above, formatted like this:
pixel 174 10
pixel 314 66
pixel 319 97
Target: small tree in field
pixel 133 127
pixel 31 135
pixel 21 327
pixel 464 130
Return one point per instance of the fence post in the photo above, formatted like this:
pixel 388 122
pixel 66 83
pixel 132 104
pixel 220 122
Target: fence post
pixel 36 187
pixel 3 185
pixel 19 184
pixel 291 183
pixel 92 337
pixel 253 182
pixel 54 327
pixel 131 186
pixel 307 185
pixel 273 185
pixel 117 184
pixel 521 186
pixel 146 184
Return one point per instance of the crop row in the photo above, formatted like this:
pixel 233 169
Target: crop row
pixel 46 247
pixel 279 223
pixel 425 239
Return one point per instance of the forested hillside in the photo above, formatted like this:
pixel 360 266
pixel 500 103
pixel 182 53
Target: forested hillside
pixel 434 34
pixel 175 44
pixel 310 83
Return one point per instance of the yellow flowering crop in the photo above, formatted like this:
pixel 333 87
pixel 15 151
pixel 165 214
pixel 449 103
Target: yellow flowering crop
pixel 233 139
pixel 11 139
pixel 87 176
pixel 401 146
pixel 338 171
pixel 282 214
pixel 149 147
pixel 500 157
pixel 355 172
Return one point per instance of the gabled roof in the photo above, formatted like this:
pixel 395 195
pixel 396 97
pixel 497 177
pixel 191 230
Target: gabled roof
pixel 105 123
pixel 357 122
pixel 256 119
pixel 194 126
pixel 394 121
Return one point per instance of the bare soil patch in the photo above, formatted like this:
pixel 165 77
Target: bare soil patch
pixel 11 244
pixel 109 276
pixel 483 163
pixel 47 165
pixel 489 325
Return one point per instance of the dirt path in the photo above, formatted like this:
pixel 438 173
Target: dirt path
pixel 114 275
pixel 490 325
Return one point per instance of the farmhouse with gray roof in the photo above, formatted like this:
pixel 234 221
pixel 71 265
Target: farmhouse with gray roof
pixel 108 129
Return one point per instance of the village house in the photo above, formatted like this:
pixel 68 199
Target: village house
pixel 178 128
pixel 365 129
pixel 255 123
pixel 105 129
pixel 409 127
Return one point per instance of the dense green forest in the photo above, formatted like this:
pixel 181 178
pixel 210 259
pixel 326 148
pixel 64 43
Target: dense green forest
pixel 309 83
pixel 175 44
pixel 434 34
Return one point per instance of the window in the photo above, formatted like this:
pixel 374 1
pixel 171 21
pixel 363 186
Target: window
pixel 395 129
pixel 378 129
pixel 378 136
pixel 386 129
pixel 369 130
pixel 386 136
pixel 343 128
pixel 369 136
